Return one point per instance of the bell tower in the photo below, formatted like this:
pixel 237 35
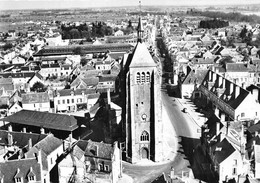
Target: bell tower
pixel 144 135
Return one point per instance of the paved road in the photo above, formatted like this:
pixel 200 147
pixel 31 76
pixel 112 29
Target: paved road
pixel 182 138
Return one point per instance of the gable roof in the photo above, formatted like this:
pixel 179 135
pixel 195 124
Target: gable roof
pixel 223 150
pixel 43 119
pixel 47 145
pixel 142 57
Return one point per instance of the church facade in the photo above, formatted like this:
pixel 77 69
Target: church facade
pixel 143 107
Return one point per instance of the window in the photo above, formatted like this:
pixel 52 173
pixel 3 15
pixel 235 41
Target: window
pixel 145 136
pixel 234 172
pixel 31 178
pixel 100 167
pixel 143 77
pixel 58 101
pixel 138 78
pixel 68 101
pixel 242 114
pixel 72 100
pixel 106 168
pixel 63 101
pixel 148 77
pixel 51 161
pixel 18 179
pixel 234 162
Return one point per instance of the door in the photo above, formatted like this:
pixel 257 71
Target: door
pixel 144 153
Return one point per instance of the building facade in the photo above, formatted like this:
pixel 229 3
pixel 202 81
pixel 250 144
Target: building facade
pixel 143 105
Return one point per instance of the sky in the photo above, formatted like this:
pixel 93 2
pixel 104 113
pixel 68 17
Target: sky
pixel 54 4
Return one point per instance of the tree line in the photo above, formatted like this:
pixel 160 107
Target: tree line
pixel 232 16
pixel 98 29
pixel 213 24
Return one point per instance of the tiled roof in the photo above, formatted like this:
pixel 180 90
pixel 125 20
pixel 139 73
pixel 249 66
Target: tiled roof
pixel 18 75
pixel 43 119
pixel 254 128
pixel 31 98
pixel 235 67
pixel 195 76
pixel 9 169
pixel 223 150
pixel 100 149
pixel 68 92
pixel 20 139
pixel 105 78
pixel 47 145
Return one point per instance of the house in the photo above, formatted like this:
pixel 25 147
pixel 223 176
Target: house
pixel 103 65
pixel 190 85
pixel 224 144
pixel 119 33
pixel 73 162
pixel 34 79
pixel 107 81
pixel 102 161
pixel 36 101
pixel 229 100
pixel 84 82
pixel 74 100
pixel 50 149
pixel 50 70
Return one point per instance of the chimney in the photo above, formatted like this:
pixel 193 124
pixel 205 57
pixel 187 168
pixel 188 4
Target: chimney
pixel 231 87
pixel 237 91
pixel 42 131
pixel 223 82
pixel 39 156
pixel 227 128
pixel 10 128
pixel 222 117
pixel 214 77
pixel 24 130
pixel 255 93
pixel 10 139
pixel 108 96
pixel 256 133
pixel 220 80
pixel 29 143
pixel 217 127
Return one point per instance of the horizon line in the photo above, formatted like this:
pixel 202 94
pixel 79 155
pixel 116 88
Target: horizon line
pixel 127 6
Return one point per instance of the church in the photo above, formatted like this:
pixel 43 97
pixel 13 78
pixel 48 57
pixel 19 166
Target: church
pixel 143 127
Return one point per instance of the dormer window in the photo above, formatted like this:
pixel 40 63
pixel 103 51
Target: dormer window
pixel 31 175
pixel 18 176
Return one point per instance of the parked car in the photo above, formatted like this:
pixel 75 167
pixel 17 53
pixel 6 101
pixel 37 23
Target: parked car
pixel 184 110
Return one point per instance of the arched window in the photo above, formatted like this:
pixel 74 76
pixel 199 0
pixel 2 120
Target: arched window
pixel 143 77
pixel 144 136
pixel 148 77
pixel 138 77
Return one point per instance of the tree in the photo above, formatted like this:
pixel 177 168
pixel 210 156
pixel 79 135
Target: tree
pixel 38 87
pixel 78 51
pixel 7 46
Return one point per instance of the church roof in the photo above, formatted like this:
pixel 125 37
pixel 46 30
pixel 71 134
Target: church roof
pixel 142 57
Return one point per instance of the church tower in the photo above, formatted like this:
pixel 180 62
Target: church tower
pixel 144 128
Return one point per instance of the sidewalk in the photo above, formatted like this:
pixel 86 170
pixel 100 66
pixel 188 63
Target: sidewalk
pixel 197 117
pixel 125 179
